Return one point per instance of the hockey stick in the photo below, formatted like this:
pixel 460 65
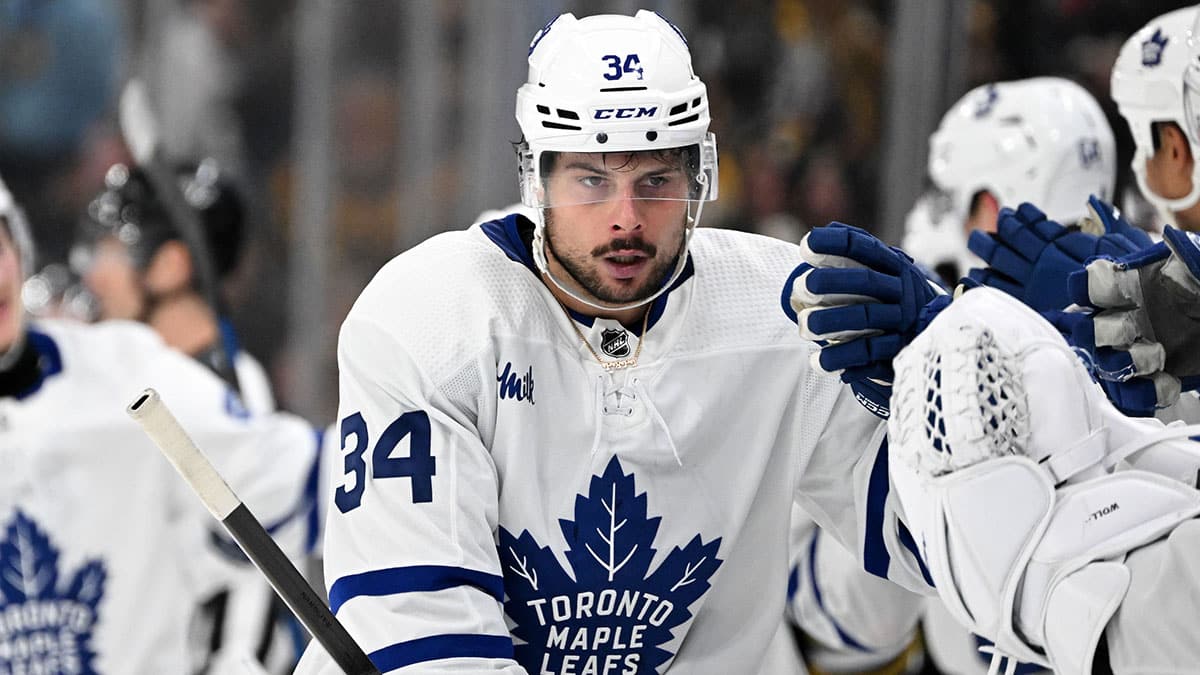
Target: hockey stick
pixel 160 425
pixel 140 129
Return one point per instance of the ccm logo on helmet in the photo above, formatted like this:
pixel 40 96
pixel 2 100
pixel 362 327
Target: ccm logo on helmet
pixel 636 112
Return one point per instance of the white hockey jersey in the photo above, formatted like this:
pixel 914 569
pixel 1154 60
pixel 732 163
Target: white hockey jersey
pixel 507 506
pixel 103 548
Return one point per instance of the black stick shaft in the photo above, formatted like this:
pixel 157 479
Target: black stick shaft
pixel 296 592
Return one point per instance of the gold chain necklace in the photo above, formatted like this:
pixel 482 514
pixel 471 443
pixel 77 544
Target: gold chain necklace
pixel 610 366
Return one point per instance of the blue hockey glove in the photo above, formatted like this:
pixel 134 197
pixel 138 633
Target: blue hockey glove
pixel 1129 377
pixel 862 302
pixel 1146 327
pixel 1030 256
pixel 1104 220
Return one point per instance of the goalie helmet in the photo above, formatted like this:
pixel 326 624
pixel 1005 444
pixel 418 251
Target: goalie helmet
pixel 1043 140
pixel 1148 86
pixel 612 84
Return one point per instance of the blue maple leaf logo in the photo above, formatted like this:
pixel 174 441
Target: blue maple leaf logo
pixel 36 610
pixel 1152 49
pixel 614 615
pixel 984 106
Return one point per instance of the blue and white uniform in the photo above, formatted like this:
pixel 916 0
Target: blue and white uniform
pixel 508 506
pixel 104 551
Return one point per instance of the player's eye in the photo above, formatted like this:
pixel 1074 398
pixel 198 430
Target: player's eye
pixel 592 181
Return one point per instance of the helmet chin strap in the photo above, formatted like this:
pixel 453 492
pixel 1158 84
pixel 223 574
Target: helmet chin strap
pixel 539 258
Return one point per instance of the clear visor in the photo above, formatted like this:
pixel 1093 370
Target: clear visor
pixel 668 177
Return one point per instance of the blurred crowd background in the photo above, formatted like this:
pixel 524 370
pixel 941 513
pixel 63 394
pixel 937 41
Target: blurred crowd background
pixel 356 128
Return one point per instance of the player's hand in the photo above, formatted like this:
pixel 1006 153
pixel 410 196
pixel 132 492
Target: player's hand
pixel 862 302
pixel 1146 326
pixel 1131 378
pixel 1030 256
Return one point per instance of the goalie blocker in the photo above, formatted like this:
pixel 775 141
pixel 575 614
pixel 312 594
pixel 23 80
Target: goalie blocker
pixel 1023 485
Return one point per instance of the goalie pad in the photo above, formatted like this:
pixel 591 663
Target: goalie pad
pixel 1021 483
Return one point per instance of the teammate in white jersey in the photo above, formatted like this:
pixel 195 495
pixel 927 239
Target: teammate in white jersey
pixel 1157 98
pixel 133 258
pixel 571 445
pixel 136 263
pixel 104 552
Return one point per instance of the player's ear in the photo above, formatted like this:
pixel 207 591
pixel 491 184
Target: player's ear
pixel 170 268
pixel 984 210
pixel 1177 147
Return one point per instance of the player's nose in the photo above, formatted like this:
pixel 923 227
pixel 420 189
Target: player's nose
pixel 626 212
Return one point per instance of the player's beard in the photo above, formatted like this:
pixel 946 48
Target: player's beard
pixel 584 268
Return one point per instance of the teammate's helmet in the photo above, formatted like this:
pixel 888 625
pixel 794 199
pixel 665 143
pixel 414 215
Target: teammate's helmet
pixel 13 218
pixel 612 83
pixel 1042 140
pixel 130 210
pixel 934 237
pixel 1148 86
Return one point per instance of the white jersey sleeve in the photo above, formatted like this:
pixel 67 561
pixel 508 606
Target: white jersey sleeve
pixel 852 500
pixel 432 589
pixel 832 599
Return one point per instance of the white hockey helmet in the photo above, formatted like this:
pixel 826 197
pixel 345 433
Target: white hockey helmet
pixel 12 217
pixel 934 237
pixel 18 228
pixel 613 84
pixel 1148 86
pixel 1043 140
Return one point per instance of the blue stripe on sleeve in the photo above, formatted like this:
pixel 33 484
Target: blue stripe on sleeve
pixel 906 538
pixel 412 579
pixel 812 574
pixel 312 538
pixel 876 558
pixel 436 647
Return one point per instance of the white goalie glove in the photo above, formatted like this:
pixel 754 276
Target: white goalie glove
pixel 1022 484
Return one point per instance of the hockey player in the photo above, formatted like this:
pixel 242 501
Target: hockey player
pixel 1006 553
pixel 1043 140
pixel 1158 101
pixel 578 450
pixel 135 261
pixel 1032 257
pixel 104 552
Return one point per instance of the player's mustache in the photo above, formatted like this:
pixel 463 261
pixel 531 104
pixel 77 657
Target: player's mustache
pixel 625 245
